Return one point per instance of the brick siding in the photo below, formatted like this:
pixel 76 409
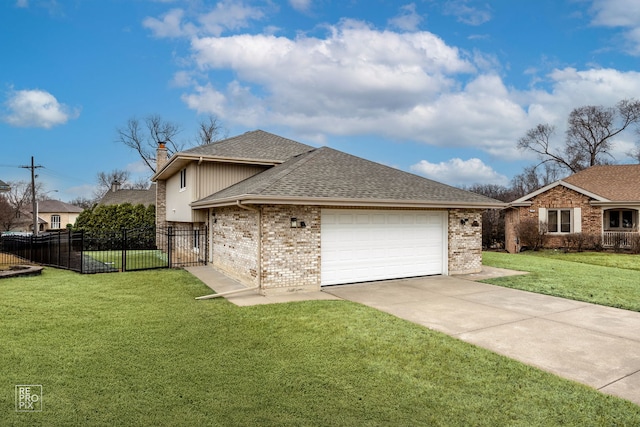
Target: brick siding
pixel 291 257
pixel 465 241
pixel 235 244
pixel 559 197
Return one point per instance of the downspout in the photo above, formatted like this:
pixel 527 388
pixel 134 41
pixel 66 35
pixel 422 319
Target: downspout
pixel 259 259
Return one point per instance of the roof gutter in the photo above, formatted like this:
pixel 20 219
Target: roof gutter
pixel 325 201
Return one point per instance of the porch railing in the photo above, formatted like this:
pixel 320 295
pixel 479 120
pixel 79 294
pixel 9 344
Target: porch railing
pixel 620 239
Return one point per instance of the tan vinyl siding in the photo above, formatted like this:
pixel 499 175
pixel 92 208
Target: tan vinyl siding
pixel 213 177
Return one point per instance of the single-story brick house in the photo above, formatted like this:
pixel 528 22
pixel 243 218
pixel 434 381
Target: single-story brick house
pixel 284 216
pixel 602 201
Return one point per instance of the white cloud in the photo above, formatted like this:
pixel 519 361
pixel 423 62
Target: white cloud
pixel 620 14
pixel 356 79
pixel 22 3
pixel 300 5
pixel 466 14
pixel 169 26
pixel 408 19
pixel 460 172
pixel 36 108
pixel 225 15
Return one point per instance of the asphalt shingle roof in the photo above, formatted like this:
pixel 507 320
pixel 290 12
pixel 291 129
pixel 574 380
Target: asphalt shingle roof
pixel 613 182
pixel 54 206
pixel 135 197
pixel 332 174
pixel 254 145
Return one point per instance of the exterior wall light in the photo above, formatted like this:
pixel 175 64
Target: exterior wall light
pixel 464 221
pixel 294 222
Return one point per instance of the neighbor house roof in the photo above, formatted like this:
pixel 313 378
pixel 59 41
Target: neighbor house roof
pixel 135 197
pixel 326 176
pixel 56 206
pixel 4 186
pixel 255 147
pixel 613 182
pixel 605 184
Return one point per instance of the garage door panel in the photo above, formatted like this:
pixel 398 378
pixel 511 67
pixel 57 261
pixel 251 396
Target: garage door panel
pixel 362 245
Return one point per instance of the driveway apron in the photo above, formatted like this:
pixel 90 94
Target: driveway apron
pixel 594 345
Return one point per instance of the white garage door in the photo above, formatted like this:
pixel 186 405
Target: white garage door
pixel 366 245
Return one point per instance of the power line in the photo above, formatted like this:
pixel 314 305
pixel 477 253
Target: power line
pixel 34 207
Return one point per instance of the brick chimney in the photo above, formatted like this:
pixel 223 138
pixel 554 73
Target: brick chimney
pixel 161 156
pixel 115 185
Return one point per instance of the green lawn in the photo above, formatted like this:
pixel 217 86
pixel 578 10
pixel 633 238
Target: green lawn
pixel 600 278
pixel 136 259
pixel 137 349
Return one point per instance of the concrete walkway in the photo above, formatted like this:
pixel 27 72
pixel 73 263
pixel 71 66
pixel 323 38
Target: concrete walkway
pixel 594 345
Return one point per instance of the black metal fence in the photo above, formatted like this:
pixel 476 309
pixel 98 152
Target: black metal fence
pixel 109 251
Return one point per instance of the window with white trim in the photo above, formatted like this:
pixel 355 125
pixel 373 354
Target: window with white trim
pixel 183 179
pixel 55 222
pixel 620 219
pixel 561 220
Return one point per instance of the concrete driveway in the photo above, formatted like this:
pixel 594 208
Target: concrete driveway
pixel 594 345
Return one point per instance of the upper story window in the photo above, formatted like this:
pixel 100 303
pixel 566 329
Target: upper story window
pixel 55 222
pixel 183 179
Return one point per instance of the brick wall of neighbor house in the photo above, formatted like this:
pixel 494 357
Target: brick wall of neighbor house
pixel 291 256
pixel 511 218
pixel 235 244
pixel 465 241
pixel 558 197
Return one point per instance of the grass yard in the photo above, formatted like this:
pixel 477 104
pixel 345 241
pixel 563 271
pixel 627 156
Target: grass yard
pixel 601 278
pixel 137 349
pixel 135 258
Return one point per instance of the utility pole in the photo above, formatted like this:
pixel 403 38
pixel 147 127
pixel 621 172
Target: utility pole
pixel 34 203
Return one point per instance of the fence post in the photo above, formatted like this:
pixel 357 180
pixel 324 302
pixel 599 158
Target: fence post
pixel 206 245
pixel 169 244
pixel 124 249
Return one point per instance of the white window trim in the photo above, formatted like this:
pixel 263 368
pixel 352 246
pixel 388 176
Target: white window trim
pixel 575 221
pixel 183 179
pixel 53 223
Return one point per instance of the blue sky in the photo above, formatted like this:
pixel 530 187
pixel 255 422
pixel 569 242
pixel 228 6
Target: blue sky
pixel 439 88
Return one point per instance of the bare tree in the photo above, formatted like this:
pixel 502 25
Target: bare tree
pixel 83 202
pixel 209 131
pixel 19 200
pixel 144 138
pixel 7 214
pixel 589 136
pixel 106 179
pixel 534 177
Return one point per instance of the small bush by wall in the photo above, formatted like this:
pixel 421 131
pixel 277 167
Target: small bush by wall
pixel 531 233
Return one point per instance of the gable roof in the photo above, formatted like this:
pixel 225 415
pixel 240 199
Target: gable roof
pixel 56 206
pixel 4 186
pixel 255 147
pixel 602 183
pixel 613 182
pixel 135 197
pixel 326 176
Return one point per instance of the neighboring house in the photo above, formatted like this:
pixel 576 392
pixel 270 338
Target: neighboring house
pixel 284 216
pixel 55 215
pixel 4 187
pixel 117 195
pixel 602 201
